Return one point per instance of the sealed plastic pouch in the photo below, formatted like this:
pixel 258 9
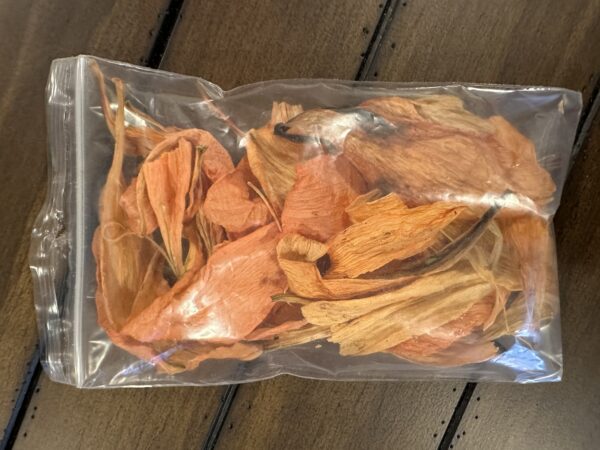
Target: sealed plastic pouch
pixel 325 229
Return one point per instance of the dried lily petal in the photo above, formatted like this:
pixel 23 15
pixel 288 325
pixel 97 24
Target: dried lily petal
pixel 127 268
pixel 216 161
pixel 439 113
pixel 458 354
pixel 529 237
pixel 224 302
pixel 373 203
pixel 273 159
pixel 398 234
pixel 514 318
pixel 446 335
pixel 387 327
pixel 168 178
pixel 339 311
pixel 231 203
pixel 282 112
pixel 299 258
pixel 437 155
pixel 315 206
pixel 283 317
pixel 188 355
pixel 136 204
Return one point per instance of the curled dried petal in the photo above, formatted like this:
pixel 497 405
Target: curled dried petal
pixel 398 234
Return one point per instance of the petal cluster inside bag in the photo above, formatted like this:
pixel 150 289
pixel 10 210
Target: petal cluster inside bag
pixel 409 227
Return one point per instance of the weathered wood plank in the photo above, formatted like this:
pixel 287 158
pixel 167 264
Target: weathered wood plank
pixel 427 41
pixel 229 56
pixel 294 413
pixel 550 43
pixel 63 417
pixel 33 33
pixel 265 40
pixel 338 27
pixel 564 415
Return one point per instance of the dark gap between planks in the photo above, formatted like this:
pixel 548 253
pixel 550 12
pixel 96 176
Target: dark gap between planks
pixel 585 124
pixel 165 27
pixel 387 13
pixel 385 18
pixel 22 400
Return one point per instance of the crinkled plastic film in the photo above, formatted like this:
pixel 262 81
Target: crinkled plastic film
pixel 321 228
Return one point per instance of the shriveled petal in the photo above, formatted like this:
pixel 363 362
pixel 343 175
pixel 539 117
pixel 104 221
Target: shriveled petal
pixel 437 112
pixel 299 258
pixel 458 354
pixel 126 264
pixel 225 301
pixel 315 206
pixel 232 204
pixel 168 178
pixel 397 234
pixel 188 355
pixel 373 203
pixel 335 312
pixel 273 158
pixel 443 337
pixel 529 236
pixel 216 161
pixel 387 327
pixel 283 317
pixel 136 204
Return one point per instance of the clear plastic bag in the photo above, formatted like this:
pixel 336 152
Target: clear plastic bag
pixel 321 228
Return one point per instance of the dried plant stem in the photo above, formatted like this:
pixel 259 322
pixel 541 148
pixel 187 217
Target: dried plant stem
pixel 267 204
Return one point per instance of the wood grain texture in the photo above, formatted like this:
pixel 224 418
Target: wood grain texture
pixel 512 42
pixel 340 28
pixel 271 39
pixel 543 43
pixel 33 33
pixel 567 414
pixel 300 414
pixel 62 417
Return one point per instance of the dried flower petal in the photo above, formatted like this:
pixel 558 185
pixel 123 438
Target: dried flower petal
pixel 231 203
pixel 315 206
pixel 168 178
pixel 299 258
pixel 283 317
pixel 444 336
pixel 189 355
pixel 340 311
pixel 398 234
pixel 373 203
pixel 273 159
pixel 387 327
pixel 225 301
pixel 437 155
pixel 529 237
pixel 136 204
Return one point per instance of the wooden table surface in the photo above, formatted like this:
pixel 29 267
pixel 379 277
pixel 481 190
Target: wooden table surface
pixel 551 42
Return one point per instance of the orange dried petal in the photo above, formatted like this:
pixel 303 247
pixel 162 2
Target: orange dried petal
pixel 225 301
pixel 232 204
pixel 394 234
pixel 316 205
